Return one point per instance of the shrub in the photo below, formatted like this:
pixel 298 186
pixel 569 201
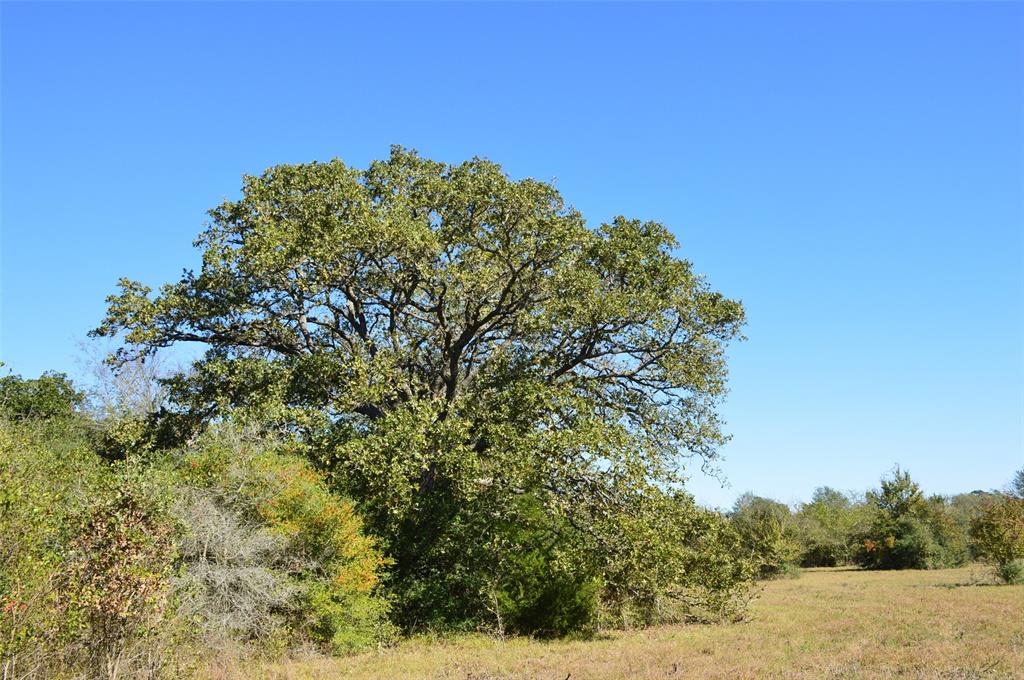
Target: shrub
pixel 828 527
pixel 537 583
pixel 46 476
pixel 1011 573
pixel 906 543
pixel 998 535
pixel 85 549
pixel 229 586
pixel 514 569
pixel 534 571
pixel 908 531
pixel 767 533
pixel 51 395
pixel 673 561
pixel 116 577
pixel 291 562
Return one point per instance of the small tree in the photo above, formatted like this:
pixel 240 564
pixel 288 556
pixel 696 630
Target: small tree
pixel 907 530
pixel 1017 485
pixel 767 534
pixel 829 526
pixel 998 535
pixel 51 395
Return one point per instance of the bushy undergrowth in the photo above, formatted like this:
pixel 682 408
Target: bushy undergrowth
pixel 125 565
pixel 291 556
pixel 87 550
pixel 118 569
pixel 527 570
pixel 131 565
pixel 998 533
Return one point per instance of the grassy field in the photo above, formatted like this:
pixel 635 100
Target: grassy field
pixel 829 623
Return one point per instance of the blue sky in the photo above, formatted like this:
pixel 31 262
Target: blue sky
pixel 853 172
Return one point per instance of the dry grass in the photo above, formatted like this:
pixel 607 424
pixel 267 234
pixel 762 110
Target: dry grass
pixel 829 623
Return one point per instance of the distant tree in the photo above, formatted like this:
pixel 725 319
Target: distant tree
pixel 828 526
pixel 1017 485
pixel 768 535
pixel 998 533
pixel 907 530
pixel 457 349
pixel 899 496
pixel 51 395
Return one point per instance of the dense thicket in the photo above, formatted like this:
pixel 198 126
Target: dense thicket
pixel 998 532
pixel 117 569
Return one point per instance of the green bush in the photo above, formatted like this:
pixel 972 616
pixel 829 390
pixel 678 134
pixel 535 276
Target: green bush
pixel 672 561
pixel 543 596
pixel 1011 573
pixel 908 531
pixel 828 527
pixel 516 569
pixel 299 568
pixel 51 395
pixel 532 570
pixel 536 582
pixel 85 552
pixel 768 534
pixel 41 489
pixel 998 535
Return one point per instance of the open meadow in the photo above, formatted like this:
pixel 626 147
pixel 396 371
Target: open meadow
pixel 828 623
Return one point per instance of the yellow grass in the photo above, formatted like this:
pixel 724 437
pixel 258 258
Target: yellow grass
pixel 829 623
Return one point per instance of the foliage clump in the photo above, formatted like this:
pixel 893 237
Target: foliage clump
pixel 908 530
pixel 119 568
pixel 86 550
pixel 271 553
pixel 768 535
pixel 51 395
pixel 998 533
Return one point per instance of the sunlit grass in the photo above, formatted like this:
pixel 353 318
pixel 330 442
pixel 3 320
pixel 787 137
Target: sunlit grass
pixel 829 623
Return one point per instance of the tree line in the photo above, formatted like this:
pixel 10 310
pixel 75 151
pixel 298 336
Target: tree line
pixel 895 526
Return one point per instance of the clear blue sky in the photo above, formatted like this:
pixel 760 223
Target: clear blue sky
pixel 853 172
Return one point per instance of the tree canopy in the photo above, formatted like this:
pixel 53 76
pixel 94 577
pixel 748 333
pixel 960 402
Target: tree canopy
pixel 451 344
pixel 48 396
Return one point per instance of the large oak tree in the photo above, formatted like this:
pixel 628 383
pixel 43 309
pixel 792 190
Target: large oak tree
pixel 458 349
